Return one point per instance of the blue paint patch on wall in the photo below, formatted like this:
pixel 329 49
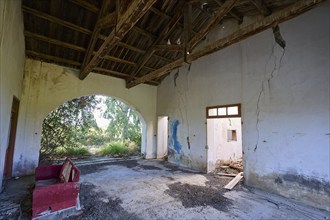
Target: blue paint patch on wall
pixel 174 136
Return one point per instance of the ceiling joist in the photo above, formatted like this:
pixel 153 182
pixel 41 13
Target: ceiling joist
pixel 224 9
pixel 133 13
pixel 170 25
pixel 95 34
pixel 243 33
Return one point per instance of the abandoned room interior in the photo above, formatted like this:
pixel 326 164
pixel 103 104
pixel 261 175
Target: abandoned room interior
pixel 213 81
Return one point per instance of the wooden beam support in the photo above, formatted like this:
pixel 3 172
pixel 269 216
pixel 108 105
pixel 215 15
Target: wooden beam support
pixel 118 74
pixel 262 24
pixel 86 5
pixel 78 48
pixel 235 14
pixel 83 30
pixel 52 58
pixel 225 8
pixel 55 20
pixel 134 12
pixel 261 7
pixel 53 41
pixel 43 56
pixel 171 47
pixel 107 21
pixel 169 27
pixel 95 34
pixel 144 32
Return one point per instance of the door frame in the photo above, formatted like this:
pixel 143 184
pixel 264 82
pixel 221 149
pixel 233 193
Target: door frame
pixel 9 158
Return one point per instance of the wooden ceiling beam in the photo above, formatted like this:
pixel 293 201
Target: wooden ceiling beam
pixel 43 56
pixel 55 20
pixel 95 34
pixel 132 15
pixel 144 32
pixel 119 74
pixel 235 14
pixel 167 29
pixel 53 41
pixel 78 48
pixel 86 5
pixel 107 21
pixel 261 7
pixel 170 47
pixel 260 25
pixel 84 30
pixel 224 9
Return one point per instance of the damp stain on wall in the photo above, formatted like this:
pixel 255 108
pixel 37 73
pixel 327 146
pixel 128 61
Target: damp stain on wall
pixel 174 142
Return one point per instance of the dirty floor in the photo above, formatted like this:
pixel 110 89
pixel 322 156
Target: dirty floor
pixel 153 189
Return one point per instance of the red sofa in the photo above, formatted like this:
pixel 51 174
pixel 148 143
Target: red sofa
pixel 56 188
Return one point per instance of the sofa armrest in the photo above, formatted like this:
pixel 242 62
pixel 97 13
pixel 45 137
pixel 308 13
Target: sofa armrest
pixel 47 172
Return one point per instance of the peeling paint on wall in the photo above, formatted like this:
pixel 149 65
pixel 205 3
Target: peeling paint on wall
pixel 174 142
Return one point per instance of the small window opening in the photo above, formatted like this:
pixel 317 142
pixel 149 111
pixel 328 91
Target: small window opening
pixel 231 135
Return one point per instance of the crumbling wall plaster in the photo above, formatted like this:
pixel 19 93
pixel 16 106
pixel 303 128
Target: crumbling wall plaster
pixel 12 59
pixel 46 86
pixel 285 106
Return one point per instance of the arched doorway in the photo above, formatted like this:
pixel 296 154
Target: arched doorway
pixel 93 125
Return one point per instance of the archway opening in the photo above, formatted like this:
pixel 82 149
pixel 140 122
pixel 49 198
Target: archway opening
pixel 92 126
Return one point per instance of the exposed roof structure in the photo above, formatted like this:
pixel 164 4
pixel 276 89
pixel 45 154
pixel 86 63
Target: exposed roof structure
pixel 140 41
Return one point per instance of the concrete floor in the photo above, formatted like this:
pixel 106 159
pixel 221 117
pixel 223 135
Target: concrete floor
pixel 152 189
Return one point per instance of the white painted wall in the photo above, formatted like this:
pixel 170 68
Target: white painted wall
pixel 292 130
pixel 46 86
pixel 162 136
pixel 219 148
pixel 12 59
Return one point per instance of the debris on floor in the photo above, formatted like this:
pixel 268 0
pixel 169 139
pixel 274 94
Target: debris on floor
pixel 234 181
pixel 153 189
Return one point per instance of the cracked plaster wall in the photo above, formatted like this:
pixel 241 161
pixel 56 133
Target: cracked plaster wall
pixel 286 147
pixel 12 59
pixel 46 86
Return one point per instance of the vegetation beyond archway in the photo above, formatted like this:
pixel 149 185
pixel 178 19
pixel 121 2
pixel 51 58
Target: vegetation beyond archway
pixel 91 125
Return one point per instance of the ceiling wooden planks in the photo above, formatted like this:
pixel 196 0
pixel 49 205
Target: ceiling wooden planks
pixel 140 41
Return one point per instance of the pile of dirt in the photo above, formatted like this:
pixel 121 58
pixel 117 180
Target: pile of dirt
pixel 96 205
pixel 196 196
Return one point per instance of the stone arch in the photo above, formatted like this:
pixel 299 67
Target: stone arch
pixel 142 120
pixel 46 86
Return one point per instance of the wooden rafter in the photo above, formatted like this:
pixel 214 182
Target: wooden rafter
pixel 55 20
pixel 95 34
pixel 261 7
pixel 86 5
pixel 78 48
pixel 224 9
pixel 52 58
pixel 85 30
pixel 169 27
pixel 77 64
pixel 233 12
pixel 173 47
pixel 107 21
pixel 245 32
pixel 53 41
pixel 134 12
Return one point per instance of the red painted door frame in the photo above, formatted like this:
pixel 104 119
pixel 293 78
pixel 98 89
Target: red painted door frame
pixel 12 136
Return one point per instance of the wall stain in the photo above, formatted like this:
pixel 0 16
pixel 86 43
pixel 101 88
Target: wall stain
pixel 174 142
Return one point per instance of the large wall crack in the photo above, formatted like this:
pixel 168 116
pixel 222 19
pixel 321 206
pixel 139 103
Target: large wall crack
pixel 267 79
